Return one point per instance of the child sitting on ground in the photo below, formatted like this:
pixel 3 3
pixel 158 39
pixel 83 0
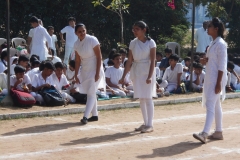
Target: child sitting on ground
pixel 198 77
pixel 60 82
pixel 173 73
pixel 3 83
pixel 233 78
pixel 41 80
pixel 20 81
pixel 114 74
pixel 70 72
pixel 22 61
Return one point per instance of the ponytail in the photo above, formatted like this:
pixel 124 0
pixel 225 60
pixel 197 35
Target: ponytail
pixel 217 23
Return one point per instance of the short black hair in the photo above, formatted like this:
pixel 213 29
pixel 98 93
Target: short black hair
pixel 50 27
pixel 196 58
pixel 72 63
pixel 198 65
pixel 111 53
pixel 19 69
pixel 116 55
pixel 159 53
pixel 110 62
pixel 122 50
pixel 49 65
pixel 167 50
pixel 23 58
pixel 230 65
pixel 71 19
pixel 41 67
pixel 175 57
pixel 194 64
pixel 36 62
pixel 33 19
pixel 187 59
pixel 58 65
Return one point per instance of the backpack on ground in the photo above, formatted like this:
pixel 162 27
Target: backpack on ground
pixel 22 99
pixel 80 98
pixel 51 96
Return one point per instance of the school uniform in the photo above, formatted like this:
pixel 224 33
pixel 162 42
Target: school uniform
pixel 158 73
pixel 32 72
pixel 170 77
pixel 139 74
pixel 234 79
pixel 3 84
pixel 26 81
pixel 70 75
pixel 59 83
pixel 39 38
pixel 71 38
pixel 2 66
pixel 115 74
pixel 88 71
pixel 38 81
pixel 54 40
pixel 201 78
pixel 217 61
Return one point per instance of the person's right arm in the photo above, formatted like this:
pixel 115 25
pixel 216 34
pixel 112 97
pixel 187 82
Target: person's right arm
pixel 77 66
pixel 127 67
pixel 61 34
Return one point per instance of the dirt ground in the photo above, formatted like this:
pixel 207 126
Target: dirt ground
pixel 113 138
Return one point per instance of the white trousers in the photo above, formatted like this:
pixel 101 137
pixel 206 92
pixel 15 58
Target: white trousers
pixel 171 87
pixel 37 97
pixel 67 96
pixel 119 92
pixel 68 51
pixel 229 79
pixel 164 84
pixel 91 106
pixel 147 108
pixel 213 110
pixel 196 87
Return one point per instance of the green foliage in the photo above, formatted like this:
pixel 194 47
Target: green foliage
pixel 214 10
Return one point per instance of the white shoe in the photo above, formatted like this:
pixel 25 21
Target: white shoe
pixel 147 129
pixel 202 136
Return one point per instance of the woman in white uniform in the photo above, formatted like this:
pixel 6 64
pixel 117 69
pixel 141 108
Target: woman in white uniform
pixel 214 82
pixel 88 54
pixel 142 56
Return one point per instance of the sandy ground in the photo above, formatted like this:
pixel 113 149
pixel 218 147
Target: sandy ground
pixel 9 109
pixel 113 138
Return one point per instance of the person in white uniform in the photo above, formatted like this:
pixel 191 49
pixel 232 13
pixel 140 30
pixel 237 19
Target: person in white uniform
pixel 202 38
pixel 55 48
pixel 3 61
pixel 198 77
pixel 38 40
pixel 142 56
pixel 215 81
pixel 71 38
pixel 88 54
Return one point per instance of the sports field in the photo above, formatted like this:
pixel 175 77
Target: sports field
pixel 112 137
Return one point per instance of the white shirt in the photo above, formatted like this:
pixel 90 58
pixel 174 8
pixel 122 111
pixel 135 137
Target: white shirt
pixel 12 69
pixel 2 66
pixel 201 77
pixel 171 75
pixel 26 81
pixel 106 62
pixel 70 74
pixel 58 84
pixel 3 81
pixel 32 72
pixel 38 80
pixel 71 37
pixel 54 40
pixel 158 73
pixel 115 74
pixel 203 39
pixel 56 59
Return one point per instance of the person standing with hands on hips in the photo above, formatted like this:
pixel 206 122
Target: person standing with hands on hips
pixel 88 54
pixel 142 56
pixel 215 81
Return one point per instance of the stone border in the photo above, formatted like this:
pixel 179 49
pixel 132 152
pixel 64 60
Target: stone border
pixel 65 111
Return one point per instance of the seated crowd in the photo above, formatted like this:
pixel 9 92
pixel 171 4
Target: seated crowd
pixel 172 75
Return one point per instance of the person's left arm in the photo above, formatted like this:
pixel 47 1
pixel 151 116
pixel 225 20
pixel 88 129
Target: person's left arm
pixel 152 63
pixel 98 54
pixel 179 75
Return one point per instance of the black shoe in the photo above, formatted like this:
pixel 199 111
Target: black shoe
pixel 84 120
pixel 93 118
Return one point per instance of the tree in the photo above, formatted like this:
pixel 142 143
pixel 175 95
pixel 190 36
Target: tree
pixel 117 6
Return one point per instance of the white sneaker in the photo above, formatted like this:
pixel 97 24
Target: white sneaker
pixel 202 136
pixel 147 129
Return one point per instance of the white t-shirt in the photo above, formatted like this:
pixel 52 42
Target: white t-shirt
pixel 70 74
pixel 115 74
pixel 32 72
pixel 12 69
pixel 38 80
pixel 58 84
pixel 158 73
pixel 71 37
pixel 26 81
pixel 54 40
pixel 56 59
pixel 171 75
pixel 2 66
pixel 201 76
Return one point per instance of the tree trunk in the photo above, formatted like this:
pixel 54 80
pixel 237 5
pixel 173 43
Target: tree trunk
pixel 121 21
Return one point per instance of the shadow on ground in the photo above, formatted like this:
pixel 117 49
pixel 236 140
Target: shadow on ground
pixel 171 150
pixel 43 128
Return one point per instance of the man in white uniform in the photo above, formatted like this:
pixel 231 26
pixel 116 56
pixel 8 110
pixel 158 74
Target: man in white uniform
pixel 202 38
pixel 38 40
pixel 71 38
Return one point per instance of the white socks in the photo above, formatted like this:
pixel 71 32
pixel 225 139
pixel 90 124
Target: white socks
pixel 147 108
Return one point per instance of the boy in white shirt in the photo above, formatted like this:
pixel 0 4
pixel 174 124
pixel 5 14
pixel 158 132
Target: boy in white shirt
pixel 71 38
pixel 22 61
pixel 41 80
pixel 173 73
pixel 55 48
pixel 198 77
pixel 35 69
pixel 60 82
pixel 70 72
pixel 123 52
pixel 20 81
pixel 114 74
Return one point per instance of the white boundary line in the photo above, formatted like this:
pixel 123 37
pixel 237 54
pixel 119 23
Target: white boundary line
pixel 112 126
pixel 94 146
